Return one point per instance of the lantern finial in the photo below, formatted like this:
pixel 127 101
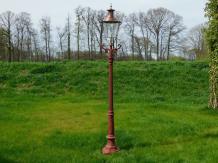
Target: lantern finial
pixel 111 6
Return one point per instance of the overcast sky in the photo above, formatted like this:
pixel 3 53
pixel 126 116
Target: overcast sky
pixel 191 10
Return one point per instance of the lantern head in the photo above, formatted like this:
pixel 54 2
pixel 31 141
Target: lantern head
pixel 111 25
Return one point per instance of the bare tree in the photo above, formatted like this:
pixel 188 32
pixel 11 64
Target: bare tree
pixel 45 24
pixel 23 35
pixel 36 46
pixel 7 20
pixel 86 16
pixel 92 35
pixel 120 16
pixel 98 22
pixel 142 23
pixel 68 30
pixel 175 27
pixel 157 19
pixel 130 29
pixel 20 31
pixel 61 36
pixel 29 37
pixel 142 34
pixel 139 45
pixel 196 40
pixel 79 26
pixel 165 26
pixel 3 44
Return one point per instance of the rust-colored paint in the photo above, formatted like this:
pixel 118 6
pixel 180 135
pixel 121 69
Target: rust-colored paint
pixel 111 145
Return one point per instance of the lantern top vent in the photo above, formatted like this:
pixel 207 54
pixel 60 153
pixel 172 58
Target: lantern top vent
pixel 110 18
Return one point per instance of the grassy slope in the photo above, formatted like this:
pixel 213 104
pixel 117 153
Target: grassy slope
pixel 57 112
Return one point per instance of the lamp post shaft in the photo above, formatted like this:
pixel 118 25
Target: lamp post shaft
pixel 111 145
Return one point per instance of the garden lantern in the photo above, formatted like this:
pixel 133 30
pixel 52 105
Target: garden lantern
pixel 111 27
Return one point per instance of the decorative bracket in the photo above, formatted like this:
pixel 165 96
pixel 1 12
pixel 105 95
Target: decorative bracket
pixel 113 49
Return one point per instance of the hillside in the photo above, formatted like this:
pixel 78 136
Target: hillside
pixel 57 112
pixel 174 82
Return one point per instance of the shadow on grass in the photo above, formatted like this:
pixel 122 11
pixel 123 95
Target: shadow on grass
pixel 69 140
pixel 211 135
pixel 92 141
pixel 4 160
pixel 128 141
pixel 124 140
pixel 210 111
pixel 88 141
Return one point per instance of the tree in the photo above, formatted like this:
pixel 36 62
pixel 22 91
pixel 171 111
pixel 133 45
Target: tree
pixel 212 41
pixel 29 38
pixel 79 28
pixel 139 45
pixel 165 26
pixel 98 22
pixel 68 30
pixel 175 27
pixel 3 45
pixel 45 24
pixel 142 24
pixel 130 29
pixel 196 40
pixel 157 19
pixel 7 21
pixel 23 35
pixel 36 47
pixel 61 35
pixel 86 16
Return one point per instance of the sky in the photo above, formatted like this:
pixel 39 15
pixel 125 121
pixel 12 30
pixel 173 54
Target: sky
pixel 192 11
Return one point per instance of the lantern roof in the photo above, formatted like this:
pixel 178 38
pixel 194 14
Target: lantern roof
pixel 110 18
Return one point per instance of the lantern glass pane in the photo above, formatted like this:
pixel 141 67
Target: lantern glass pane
pixel 111 30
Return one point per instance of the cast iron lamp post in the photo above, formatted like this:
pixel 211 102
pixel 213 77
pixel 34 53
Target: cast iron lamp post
pixel 111 27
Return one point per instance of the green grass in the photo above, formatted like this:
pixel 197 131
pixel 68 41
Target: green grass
pixel 57 112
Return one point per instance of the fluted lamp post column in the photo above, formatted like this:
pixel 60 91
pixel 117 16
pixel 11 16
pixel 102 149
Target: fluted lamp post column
pixel 111 27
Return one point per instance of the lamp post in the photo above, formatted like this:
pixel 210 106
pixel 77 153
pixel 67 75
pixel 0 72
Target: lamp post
pixel 111 27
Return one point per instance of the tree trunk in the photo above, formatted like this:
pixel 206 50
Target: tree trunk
pixel 157 44
pixel 101 40
pixel 88 41
pixel 133 47
pixel 9 46
pixel 68 46
pixel 213 99
pixel 78 38
pixel 68 39
pixel 168 46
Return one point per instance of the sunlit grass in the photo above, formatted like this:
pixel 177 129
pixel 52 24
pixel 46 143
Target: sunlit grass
pixel 58 113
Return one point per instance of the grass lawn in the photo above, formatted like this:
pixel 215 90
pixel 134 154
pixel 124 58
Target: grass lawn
pixel 57 112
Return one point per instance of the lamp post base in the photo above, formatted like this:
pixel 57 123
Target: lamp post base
pixel 108 149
